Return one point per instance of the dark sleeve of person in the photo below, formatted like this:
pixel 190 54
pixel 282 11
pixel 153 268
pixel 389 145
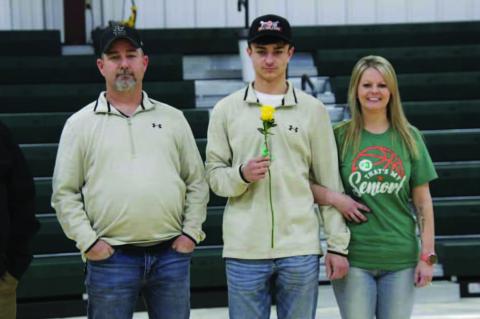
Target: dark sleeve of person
pixel 20 192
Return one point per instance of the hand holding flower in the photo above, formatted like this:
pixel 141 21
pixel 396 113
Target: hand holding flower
pixel 256 169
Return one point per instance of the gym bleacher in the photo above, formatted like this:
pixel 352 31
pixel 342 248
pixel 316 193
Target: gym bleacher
pixel 438 66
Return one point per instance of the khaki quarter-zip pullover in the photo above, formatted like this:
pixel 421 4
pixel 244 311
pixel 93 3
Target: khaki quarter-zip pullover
pixel 129 180
pixel 303 149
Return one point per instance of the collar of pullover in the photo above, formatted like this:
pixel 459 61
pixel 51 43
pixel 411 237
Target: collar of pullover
pixel 290 98
pixel 103 106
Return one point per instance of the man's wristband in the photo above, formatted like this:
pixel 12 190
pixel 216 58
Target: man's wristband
pixel 90 247
pixel 190 237
pixel 241 174
pixel 336 253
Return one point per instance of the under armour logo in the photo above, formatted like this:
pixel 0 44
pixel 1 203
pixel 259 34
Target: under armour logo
pixel 156 125
pixel 292 128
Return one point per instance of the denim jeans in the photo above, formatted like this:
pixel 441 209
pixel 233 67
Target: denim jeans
pixel 163 278
pixel 295 285
pixel 365 294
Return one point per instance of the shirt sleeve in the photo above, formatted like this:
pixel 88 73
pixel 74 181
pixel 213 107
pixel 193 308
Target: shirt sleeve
pixel 326 173
pixel 193 174
pixel 68 179
pixel 21 208
pixel 423 170
pixel 224 179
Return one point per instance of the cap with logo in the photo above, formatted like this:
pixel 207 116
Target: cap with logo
pixel 270 28
pixel 116 32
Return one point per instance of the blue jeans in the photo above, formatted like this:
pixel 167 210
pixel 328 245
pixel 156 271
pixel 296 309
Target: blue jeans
pixel 365 294
pixel 163 278
pixel 296 287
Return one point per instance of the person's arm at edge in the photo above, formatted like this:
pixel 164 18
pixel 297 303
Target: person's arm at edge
pixel 326 173
pixel 422 200
pixel 223 178
pixel 68 179
pixel 21 204
pixel 197 193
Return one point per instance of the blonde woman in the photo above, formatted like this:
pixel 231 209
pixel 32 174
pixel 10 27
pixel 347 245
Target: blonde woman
pixel 383 163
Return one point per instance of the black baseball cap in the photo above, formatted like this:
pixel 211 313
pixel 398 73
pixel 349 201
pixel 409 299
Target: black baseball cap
pixel 113 33
pixel 270 28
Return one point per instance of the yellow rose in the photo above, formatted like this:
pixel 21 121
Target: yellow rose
pixel 266 113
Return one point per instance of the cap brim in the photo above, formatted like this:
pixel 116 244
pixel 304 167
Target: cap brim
pixel 280 37
pixel 107 46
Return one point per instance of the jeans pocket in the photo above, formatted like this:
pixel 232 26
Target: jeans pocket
pixel 105 259
pixel 189 254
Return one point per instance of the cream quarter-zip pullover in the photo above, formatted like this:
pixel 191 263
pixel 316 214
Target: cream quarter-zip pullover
pixel 129 180
pixel 303 149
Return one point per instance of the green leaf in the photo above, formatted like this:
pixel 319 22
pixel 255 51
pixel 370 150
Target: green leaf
pixel 261 130
pixel 264 151
pixel 269 125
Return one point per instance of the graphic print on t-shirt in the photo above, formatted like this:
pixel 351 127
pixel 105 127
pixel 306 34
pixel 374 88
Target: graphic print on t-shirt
pixel 377 170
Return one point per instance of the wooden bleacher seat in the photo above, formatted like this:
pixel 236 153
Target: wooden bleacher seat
pixel 40 158
pixel 425 86
pixel 72 97
pixel 411 59
pixel 51 232
pixel 79 69
pixel 457 216
pixel 46 127
pixel 312 38
pixel 29 43
pixel 62 275
pixel 186 40
pixel 438 115
pixel 453 145
pixel 43 189
pixel 456 179
pixel 444 145
pixel 460 258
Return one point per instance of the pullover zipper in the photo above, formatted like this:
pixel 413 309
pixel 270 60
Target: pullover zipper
pixel 130 135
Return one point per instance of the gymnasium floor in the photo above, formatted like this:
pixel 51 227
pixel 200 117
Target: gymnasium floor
pixel 441 300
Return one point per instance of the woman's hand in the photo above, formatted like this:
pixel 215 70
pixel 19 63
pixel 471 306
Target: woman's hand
pixel 423 274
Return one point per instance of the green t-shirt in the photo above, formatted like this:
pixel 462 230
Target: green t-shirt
pixel 381 175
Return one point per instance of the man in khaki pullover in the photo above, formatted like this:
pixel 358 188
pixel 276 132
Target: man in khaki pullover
pixel 129 189
pixel 274 240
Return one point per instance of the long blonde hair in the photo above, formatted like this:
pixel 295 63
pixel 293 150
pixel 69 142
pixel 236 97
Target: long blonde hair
pixel 395 115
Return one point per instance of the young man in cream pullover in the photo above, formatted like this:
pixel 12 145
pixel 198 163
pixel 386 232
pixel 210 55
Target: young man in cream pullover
pixel 129 189
pixel 276 243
